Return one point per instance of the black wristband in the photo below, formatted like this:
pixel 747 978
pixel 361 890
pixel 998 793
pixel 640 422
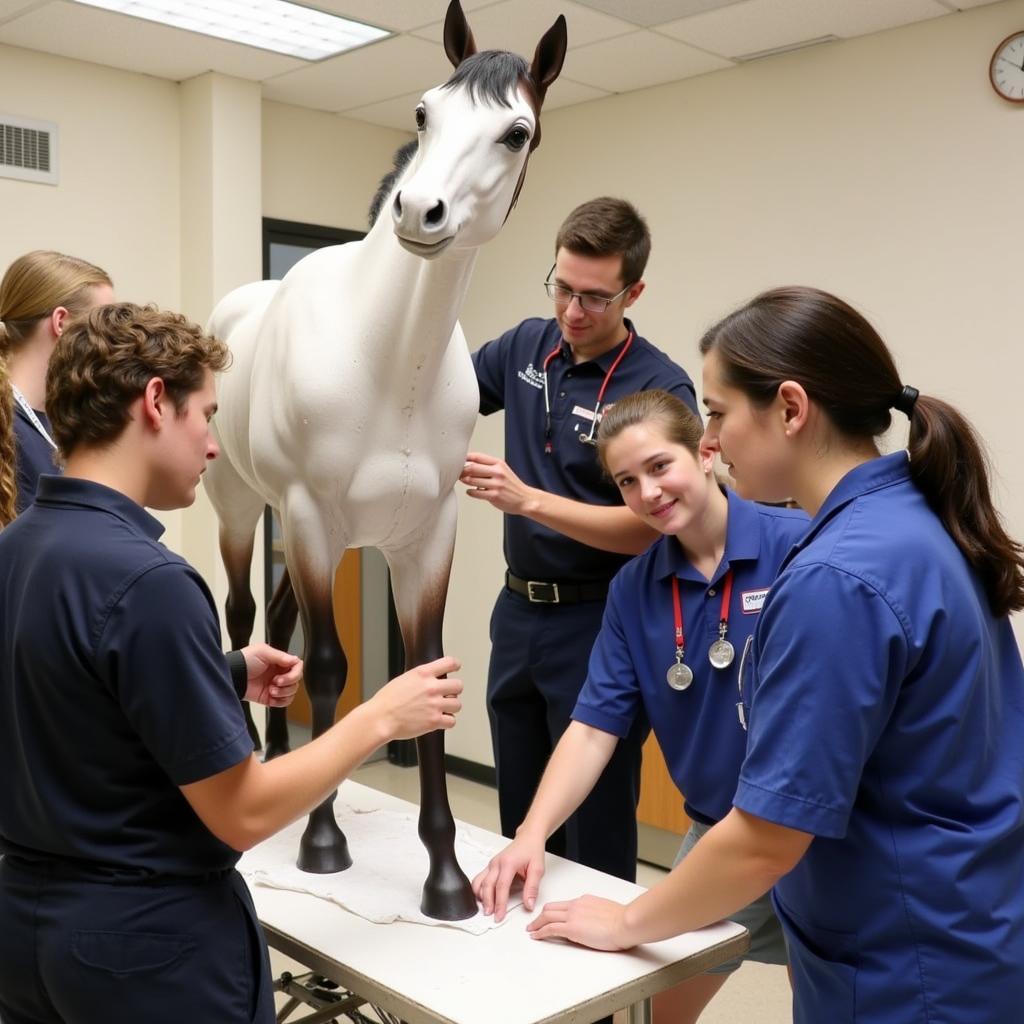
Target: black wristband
pixel 239 672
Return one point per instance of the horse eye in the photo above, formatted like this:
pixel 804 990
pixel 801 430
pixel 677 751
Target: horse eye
pixel 516 138
pixel 421 119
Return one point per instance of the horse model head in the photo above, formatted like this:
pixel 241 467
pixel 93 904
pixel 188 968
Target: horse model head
pixel 474 136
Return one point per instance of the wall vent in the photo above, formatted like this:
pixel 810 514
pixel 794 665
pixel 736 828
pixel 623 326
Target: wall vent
pixel 28 149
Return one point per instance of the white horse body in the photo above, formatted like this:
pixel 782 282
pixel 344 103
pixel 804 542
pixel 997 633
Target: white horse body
pixel 351 399
pixel 376 431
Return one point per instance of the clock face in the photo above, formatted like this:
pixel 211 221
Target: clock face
pixel 1007 68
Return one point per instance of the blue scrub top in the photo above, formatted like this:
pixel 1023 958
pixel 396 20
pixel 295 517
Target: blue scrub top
pixel 698 728
pixel 510 373
pixel 887 717
pixel 113 690
pixel 33 455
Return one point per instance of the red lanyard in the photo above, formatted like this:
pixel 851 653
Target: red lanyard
pixel 600 394
pixel 677 609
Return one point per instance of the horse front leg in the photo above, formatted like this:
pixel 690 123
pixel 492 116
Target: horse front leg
pixel 282 614
pixel 311 561
pixel 419 580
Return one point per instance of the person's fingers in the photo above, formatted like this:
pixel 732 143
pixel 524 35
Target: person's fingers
pixel 502 887
pixel 531 886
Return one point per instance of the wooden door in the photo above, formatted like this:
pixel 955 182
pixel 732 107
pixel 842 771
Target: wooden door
pixel 661 804
pixel 348 620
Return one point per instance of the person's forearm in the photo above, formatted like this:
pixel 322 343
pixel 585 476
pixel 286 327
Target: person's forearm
pixel 606 527
pixel 268 796
pixel 737 861
pixel 575 766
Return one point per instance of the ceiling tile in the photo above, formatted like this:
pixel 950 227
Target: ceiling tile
pixel 396 112
pixel 565 92
pixel 517 25
pixel 636 61
pixel 380 71
pixel 398 15
pixel 965 5
pixel 9 8
pixel 756 25
pixel 654 12
pixel 132 44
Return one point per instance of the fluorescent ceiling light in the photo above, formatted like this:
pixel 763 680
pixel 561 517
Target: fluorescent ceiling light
pixel 268 24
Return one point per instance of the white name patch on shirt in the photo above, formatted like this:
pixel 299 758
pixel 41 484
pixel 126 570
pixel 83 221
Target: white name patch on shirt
pixel 587 414
pixel 752 601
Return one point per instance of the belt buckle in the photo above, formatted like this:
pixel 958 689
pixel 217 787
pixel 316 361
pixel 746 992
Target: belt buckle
pixel 535 592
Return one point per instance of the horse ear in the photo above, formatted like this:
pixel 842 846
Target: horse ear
pixel 549 56
pixel 458 36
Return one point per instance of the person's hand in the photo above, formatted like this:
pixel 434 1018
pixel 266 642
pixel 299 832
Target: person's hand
pixel 490 479
pixel 419 701
pixel 522 859
pixel 588 921
pixel 272 676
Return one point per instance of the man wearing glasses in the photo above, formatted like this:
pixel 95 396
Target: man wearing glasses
pixel 566 530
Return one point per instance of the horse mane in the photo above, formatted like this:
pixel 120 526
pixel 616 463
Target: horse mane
pixel 402 158
pixel 490 75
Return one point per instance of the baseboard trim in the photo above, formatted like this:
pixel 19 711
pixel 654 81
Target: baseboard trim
pixel 463 768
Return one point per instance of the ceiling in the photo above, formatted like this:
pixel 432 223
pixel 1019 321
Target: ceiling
pixel 615 46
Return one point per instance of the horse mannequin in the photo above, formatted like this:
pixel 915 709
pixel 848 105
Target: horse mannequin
pixel 351 399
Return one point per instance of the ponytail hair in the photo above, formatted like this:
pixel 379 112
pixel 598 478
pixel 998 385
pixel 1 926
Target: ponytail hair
pixel 8 480
pixel 816 339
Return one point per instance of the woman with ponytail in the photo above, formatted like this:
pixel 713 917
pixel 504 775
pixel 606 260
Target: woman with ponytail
pixel 882 793
pixel 38 294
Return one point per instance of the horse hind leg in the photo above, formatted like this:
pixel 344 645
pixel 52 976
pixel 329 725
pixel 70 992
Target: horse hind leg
pixel 238 511
pixel 282 614
pixel 240 606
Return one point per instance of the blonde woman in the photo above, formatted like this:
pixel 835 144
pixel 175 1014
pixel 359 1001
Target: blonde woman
pixel 39 293
pixel 7 485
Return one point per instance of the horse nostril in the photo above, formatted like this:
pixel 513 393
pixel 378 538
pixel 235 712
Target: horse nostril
pixel 397 205
pixel 435 215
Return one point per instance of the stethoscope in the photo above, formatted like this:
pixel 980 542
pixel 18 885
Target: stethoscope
pixel 588 437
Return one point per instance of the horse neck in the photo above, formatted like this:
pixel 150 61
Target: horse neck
pixel 417 301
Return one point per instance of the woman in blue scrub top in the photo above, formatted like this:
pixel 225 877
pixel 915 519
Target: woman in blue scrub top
pixel 883 789
pixel 675 623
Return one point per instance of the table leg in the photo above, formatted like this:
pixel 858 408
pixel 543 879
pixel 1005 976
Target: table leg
pixel 639 1013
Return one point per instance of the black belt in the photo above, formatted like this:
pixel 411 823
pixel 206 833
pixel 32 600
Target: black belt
pixel 556 591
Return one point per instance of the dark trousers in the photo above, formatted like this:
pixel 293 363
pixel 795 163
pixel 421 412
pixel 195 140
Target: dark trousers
pixel 539 658
pixel 85 952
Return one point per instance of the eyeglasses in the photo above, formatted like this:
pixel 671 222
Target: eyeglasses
pixel 562 296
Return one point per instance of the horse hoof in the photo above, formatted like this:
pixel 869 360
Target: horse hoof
pixel 448 895
pixel 323 851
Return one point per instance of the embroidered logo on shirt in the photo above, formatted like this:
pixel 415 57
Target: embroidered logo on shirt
pixel 752 601
pixel 532 376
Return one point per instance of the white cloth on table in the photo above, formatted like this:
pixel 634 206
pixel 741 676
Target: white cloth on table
pixel 389 866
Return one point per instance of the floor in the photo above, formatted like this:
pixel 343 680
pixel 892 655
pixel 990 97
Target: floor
pixel 757 994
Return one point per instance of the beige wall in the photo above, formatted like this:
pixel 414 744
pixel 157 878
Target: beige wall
pixel 884 168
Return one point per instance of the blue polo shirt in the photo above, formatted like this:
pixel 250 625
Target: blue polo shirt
pixel 698 728
pixel 510 373
pixel 887 716
pixel 33 455
pixel 113 690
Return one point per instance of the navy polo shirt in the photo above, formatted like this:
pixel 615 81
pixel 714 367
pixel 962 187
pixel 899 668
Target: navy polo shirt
pixel 510 373
pixel 33 455
pixel 113 690
pixel 887 710
pixel 698 729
